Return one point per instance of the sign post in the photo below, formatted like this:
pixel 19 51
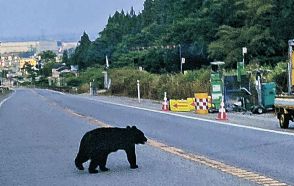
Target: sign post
pixel 182 62
pixel 180 51
pixel 244 51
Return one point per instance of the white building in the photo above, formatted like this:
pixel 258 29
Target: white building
pixel 36 46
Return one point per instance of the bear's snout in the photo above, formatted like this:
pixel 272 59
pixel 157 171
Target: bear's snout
pixel 144 140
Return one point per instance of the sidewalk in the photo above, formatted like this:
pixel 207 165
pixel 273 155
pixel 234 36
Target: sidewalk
pixel 265 121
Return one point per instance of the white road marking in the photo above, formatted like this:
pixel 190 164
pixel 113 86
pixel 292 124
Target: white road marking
pixel 196 118
pixel 4 100
pixel 61 93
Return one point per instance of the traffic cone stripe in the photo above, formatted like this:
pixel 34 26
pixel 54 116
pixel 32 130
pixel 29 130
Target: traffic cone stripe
pixel 165 106
pixel 222 115
pixel 165 103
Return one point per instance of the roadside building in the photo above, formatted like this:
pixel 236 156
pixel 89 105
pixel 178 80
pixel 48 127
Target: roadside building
pixel 35 47
pixel 30 61
pixel 56 78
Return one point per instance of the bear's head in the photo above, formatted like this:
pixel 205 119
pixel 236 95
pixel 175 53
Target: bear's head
pixel 139 137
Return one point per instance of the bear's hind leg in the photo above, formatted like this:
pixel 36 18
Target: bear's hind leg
pixel 80 159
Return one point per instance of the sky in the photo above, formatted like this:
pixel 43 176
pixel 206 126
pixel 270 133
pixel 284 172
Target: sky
pixel 58 19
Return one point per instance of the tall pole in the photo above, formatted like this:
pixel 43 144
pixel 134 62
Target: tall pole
pixel 105 72
pixel 180 50
pixel 290 66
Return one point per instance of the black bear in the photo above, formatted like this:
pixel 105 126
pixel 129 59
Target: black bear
pixel 98 143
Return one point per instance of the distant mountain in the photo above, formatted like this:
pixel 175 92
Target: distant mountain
pixel 57 37
pixel 22 20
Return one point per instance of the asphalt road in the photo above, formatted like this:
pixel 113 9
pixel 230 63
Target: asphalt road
pixel 40 134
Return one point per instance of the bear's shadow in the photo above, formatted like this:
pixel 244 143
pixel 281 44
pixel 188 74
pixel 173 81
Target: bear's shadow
pixel 116 162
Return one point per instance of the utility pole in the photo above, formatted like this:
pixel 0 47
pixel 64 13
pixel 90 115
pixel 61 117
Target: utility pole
pixel 180 51
pixel 105 72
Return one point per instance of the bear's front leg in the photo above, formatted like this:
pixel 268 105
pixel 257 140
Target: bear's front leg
pixel 131 154
pixel 93 165
pixel 102 162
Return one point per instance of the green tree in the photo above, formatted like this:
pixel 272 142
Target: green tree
pixel 48 56
pixel 30 71
pixel 80 57
pixel 47 69
pixel 65 58
pixel 206 30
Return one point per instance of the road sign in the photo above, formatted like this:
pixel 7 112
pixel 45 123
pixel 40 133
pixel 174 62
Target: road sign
pixel 183 60
pixel 182 105
pixel 191 103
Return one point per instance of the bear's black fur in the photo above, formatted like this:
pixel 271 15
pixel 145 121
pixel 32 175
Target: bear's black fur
pixel 98 143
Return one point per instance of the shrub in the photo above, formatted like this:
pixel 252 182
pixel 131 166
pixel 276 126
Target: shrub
pixel 177 86
pixel 73 82
pixel 91 74
pixel 84 88
pixel 279 75
pixel 153 86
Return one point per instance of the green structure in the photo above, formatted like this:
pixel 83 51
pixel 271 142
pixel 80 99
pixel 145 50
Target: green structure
pixel 240 71
pixel 217 85
pixel 268 94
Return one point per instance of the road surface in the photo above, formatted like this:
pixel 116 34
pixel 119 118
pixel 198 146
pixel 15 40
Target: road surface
pixel 41 130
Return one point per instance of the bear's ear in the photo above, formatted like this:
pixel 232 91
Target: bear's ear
pixel 128 127
pixel 134 127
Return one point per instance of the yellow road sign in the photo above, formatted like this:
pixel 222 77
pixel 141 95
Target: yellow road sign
pixel 191 103
pixel 180 105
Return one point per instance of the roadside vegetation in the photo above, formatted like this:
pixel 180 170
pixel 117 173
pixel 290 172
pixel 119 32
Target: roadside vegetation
pixel 200 31
pixel 152 86
pixel 4 91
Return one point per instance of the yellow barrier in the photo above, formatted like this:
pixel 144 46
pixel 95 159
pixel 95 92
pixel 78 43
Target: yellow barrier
pixel 201 103
pixel 191 103
pixel 179 105
pixel 209 102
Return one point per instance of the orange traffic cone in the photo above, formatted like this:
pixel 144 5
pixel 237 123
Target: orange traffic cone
pixel 165 106
pixel 222 115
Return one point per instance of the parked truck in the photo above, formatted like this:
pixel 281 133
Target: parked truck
pixel 284 104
